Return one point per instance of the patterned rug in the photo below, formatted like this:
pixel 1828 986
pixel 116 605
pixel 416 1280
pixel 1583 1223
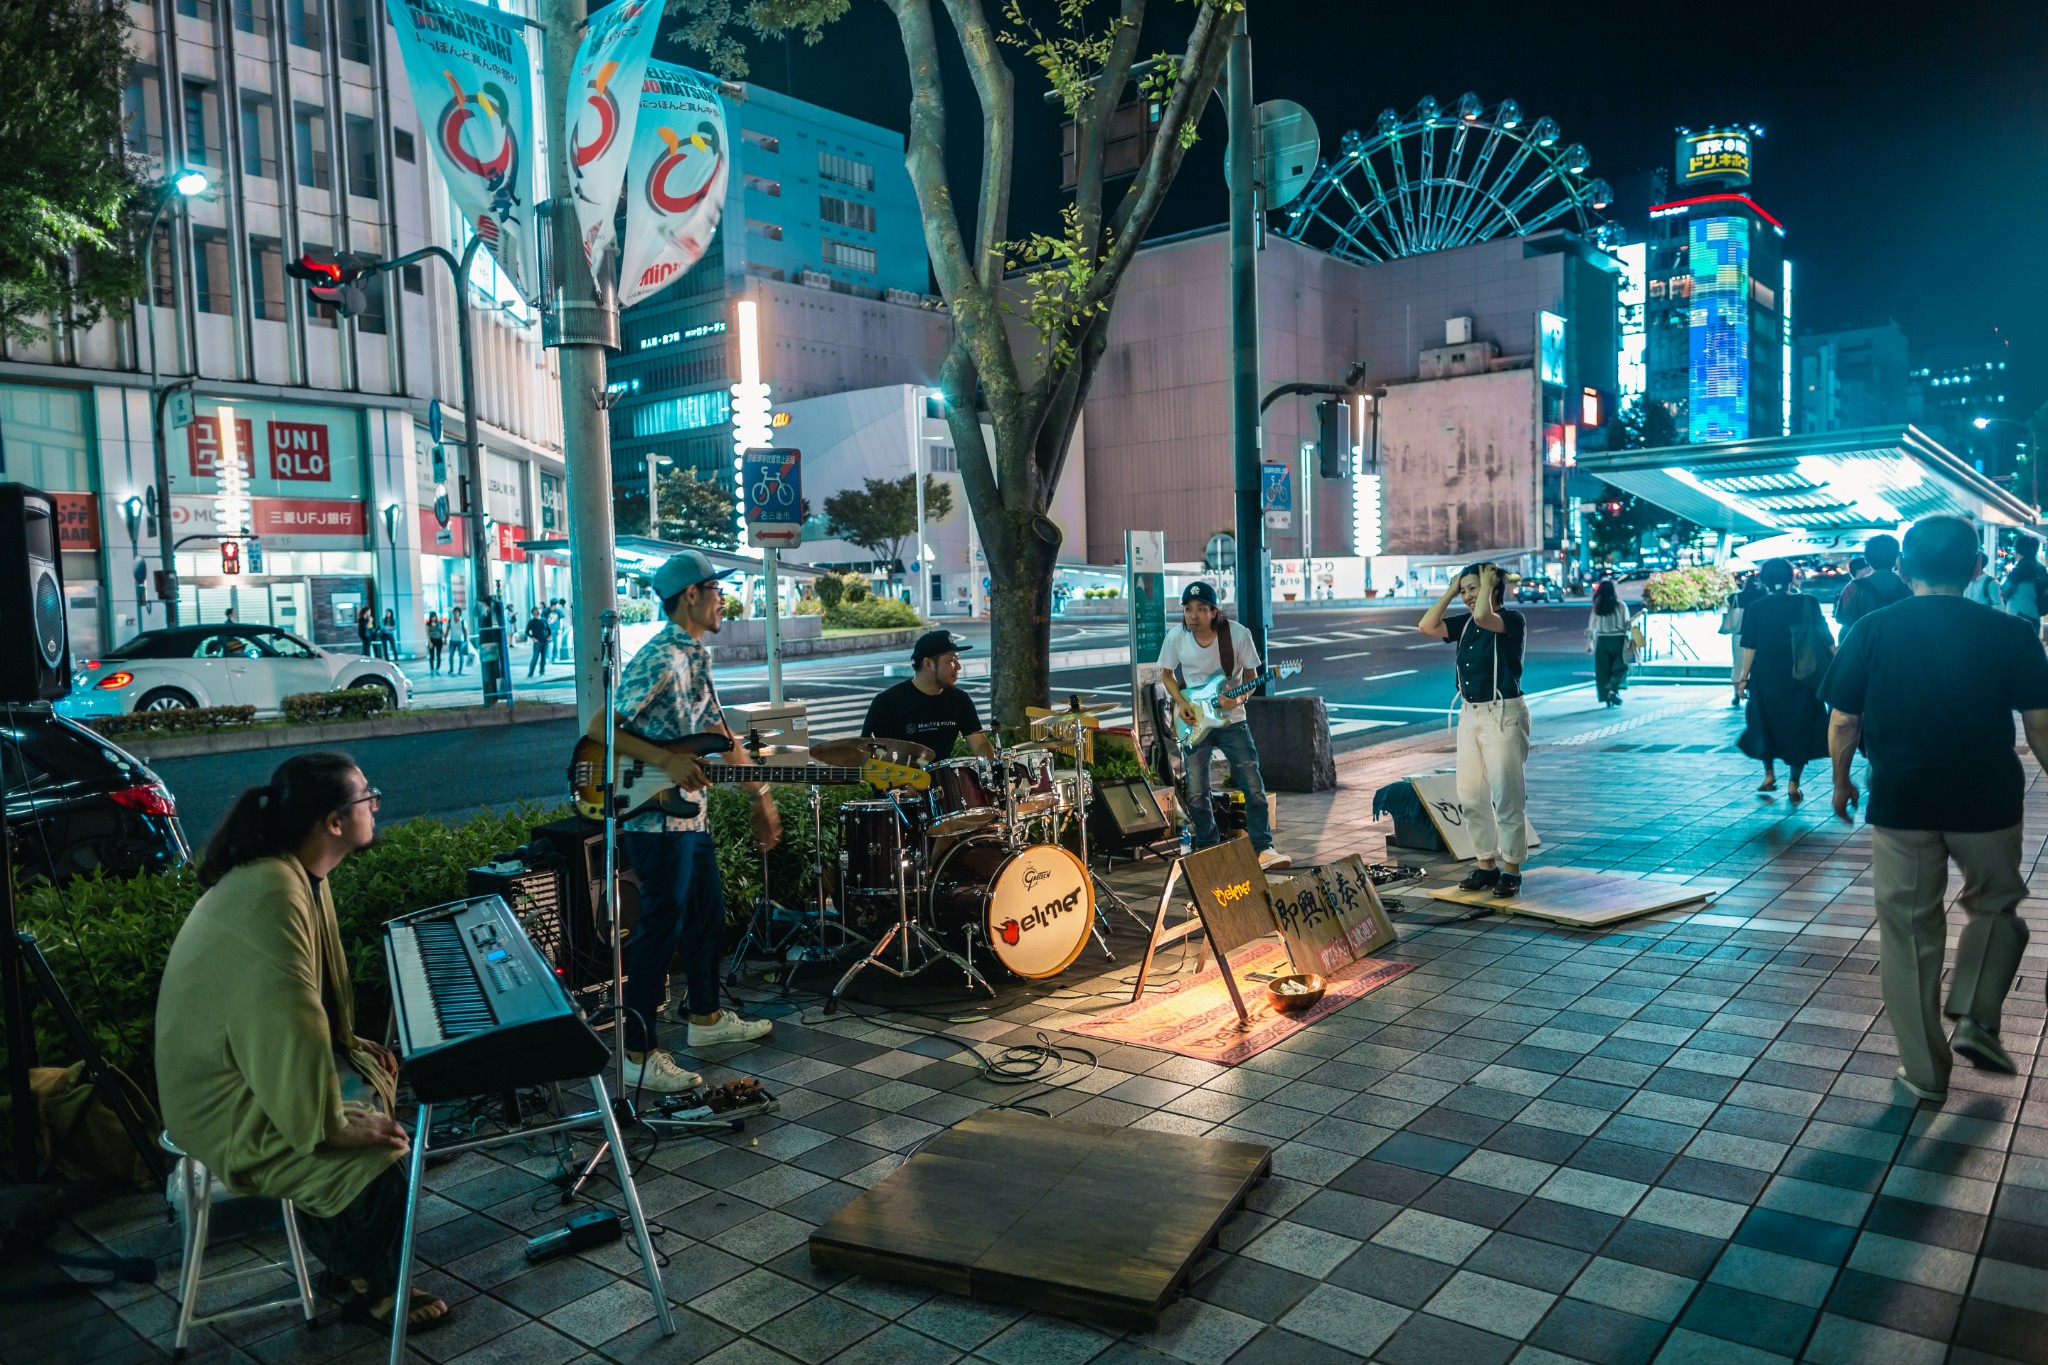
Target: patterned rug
pixel 1195 1018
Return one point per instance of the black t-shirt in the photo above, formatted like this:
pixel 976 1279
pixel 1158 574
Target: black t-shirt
pixel 1478 649
pixel 903 712
pixel 1936 680
pixel 1862 596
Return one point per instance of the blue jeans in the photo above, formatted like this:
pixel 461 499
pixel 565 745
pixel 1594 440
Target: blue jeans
pixel 682 911
pixel 1235 743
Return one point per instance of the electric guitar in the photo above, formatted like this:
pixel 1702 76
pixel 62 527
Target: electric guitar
pixel 638 785
pixel 1203 701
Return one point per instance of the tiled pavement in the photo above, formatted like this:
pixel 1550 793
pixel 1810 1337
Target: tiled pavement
pixel 1676 1142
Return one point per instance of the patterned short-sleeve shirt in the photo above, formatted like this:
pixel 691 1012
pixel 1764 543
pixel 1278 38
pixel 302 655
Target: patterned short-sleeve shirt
pixel 664 694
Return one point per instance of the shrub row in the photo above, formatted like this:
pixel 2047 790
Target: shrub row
pixel 1698 587
pixel 184 721
pixel 351 703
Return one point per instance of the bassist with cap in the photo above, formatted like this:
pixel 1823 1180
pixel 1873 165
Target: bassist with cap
pixel 1204 645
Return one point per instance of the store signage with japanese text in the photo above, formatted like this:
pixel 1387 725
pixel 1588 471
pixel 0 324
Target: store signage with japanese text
pixel 289 451
pixel 295 523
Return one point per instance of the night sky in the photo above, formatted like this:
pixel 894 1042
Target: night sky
pixel 1906 150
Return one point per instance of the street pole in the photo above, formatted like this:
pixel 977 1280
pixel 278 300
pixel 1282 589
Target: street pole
pixel 493 650
pixel 585 327
pixel 916 428
pixel 1241 157
pixel 653 502
pixel 774 633
pixel 159 457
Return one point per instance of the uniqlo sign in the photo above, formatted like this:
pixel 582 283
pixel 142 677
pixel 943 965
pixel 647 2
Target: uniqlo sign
pixel 298 451
pixel 203 441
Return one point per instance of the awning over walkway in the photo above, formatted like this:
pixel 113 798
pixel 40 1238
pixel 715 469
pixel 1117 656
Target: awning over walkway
pixel 1836 481
pixel 640 556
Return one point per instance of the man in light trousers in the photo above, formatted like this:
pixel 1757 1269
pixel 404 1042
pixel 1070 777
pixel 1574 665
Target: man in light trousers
pixel 1929 686
pixel 1493 728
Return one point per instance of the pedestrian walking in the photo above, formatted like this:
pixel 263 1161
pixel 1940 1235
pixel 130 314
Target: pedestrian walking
pixel 554 616
pixel 1607 632
pixel 1782 632
pixel 1493 723
pixel 537 635
pixel 1880 587
pixel 387 637
pixel 1983 587
pixel 459 650
pixel 366 629
pixel 1747 591
pixel 437 639
pixel 1927 689
pixel 2026 583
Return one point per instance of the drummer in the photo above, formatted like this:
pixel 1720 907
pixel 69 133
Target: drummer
pixel 930 707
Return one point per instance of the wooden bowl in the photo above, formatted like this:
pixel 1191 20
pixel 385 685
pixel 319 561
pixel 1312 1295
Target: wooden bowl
pixel 1289 1001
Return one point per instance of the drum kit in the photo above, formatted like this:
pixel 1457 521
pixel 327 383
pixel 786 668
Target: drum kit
pixel 977 866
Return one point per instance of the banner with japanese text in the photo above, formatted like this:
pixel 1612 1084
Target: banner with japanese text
pixel 675 179
pixel 603 110
pixel 472 83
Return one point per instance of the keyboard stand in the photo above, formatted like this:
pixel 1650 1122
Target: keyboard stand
pixel 600 1116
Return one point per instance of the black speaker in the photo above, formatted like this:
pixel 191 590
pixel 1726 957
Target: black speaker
pixel 1125 816
pixel 31 598
pixel 576 846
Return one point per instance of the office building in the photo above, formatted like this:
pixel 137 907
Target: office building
pixel 1957 385
pixel 1854 378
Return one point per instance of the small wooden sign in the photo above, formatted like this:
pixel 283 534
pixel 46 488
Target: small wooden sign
pixel 1315 937
pixel 1439 795
pixel 1355 901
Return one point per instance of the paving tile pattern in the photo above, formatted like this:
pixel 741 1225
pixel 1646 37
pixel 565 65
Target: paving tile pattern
pixel 1677 1141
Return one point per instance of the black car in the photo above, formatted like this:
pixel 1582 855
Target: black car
pixel 76 802
pixel 1538 590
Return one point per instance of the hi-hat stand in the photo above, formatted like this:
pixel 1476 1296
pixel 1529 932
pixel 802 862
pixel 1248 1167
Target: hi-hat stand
pixel 906 931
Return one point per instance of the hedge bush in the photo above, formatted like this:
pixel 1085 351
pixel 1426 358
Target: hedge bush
pixel 1698 587
pixel 107 938
pixel 831 588
pixel 186 720
pixel 351 703
pixel 809 606
pixel 873 613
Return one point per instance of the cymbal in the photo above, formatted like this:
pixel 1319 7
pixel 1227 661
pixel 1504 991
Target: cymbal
pixel 1044 712
pixel 851 753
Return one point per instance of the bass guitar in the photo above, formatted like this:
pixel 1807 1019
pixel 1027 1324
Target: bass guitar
pixel 1203 701
pixel 638 785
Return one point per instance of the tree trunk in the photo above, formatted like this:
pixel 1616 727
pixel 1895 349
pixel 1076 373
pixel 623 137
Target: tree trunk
pixel 1020 617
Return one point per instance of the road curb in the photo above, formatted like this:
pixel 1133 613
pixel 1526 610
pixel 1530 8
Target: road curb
pixel 417 722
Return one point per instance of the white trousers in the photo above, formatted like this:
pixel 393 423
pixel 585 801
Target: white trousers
pixel 1493 751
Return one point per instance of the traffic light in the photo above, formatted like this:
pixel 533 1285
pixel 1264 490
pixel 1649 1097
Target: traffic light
pixel 1333 438
pixel 230 556
pixel 334 283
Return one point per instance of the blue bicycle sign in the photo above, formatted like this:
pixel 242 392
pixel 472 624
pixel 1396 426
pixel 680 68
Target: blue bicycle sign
pixel 773 486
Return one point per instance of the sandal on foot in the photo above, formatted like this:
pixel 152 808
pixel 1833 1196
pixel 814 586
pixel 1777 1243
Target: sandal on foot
pixel 427 1314
pixel 1769 784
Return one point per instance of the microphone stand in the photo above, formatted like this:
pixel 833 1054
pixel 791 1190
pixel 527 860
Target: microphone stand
pixel 622 1095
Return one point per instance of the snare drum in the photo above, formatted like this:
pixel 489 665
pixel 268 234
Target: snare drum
pixel 964 796
pixel 1032 908
pixel 1032 786
pixel 868 845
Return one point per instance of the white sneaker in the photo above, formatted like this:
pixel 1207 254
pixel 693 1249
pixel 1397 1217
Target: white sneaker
pixel 661 1074
pixel 730 1028
pixel 1273 860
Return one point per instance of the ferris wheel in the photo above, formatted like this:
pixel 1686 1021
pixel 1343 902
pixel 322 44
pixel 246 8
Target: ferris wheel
pixel 1438 179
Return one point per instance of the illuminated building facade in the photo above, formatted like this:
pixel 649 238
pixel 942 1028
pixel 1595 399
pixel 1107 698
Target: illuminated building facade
pixel 1717 306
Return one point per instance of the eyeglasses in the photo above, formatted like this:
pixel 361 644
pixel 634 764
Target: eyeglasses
pixel 373 797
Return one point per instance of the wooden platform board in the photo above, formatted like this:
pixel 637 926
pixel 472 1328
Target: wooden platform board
pixel 1079 1219
pixel 1583 900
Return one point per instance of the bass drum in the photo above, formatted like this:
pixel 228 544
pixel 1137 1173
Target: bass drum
pixel 1033 908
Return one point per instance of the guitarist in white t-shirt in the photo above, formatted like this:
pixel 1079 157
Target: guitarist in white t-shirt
pixel 1206 644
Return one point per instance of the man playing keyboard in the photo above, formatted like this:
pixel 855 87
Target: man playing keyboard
pixel 262 1076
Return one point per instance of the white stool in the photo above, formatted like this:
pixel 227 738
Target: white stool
pixel 198 1206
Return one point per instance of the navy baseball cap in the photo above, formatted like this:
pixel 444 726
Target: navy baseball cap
pixel 685 570
pixel 1198 592
pixel 933 643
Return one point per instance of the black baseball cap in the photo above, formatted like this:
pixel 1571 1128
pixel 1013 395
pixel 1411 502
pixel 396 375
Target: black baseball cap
pixel 1198 592
pixel 933 643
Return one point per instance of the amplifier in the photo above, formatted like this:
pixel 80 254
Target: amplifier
pixel 534 893
pixel 577 846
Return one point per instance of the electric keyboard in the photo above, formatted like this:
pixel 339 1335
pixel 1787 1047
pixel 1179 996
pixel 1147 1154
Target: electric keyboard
pixel 479 1010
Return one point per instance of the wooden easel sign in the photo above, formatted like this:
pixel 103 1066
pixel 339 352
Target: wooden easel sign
pixel 1232 908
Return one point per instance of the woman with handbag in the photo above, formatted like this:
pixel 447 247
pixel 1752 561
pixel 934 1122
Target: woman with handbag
pixel 1786 648
pixel 1609 639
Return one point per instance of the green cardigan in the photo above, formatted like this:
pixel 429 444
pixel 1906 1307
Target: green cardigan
pixel 255 999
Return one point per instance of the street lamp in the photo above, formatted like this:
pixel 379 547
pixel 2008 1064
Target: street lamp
pixel 2027 433
pixel 182 186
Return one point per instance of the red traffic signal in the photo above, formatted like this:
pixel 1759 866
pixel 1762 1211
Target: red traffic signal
pixel 333 283
pixel 230 556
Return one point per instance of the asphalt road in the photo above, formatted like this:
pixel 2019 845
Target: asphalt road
pixel 1379 678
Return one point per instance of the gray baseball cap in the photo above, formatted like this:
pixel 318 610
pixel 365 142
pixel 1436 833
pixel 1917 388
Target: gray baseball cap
pixel 685 570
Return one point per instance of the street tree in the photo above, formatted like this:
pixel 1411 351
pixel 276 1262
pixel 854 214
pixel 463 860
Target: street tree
pixel 882 513
pixel 70 188
pixel 1030 381
pixel 693 510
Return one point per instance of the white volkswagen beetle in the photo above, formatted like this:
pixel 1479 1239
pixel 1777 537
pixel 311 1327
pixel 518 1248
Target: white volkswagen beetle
pixel 225 664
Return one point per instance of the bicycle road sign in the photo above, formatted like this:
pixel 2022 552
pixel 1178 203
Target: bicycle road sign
pixel 773 482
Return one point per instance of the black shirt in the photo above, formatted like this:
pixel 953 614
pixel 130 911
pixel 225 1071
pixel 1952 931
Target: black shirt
pixel 903 712
pixel 1936 680
pixel 1478 648
pixel 1862 596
